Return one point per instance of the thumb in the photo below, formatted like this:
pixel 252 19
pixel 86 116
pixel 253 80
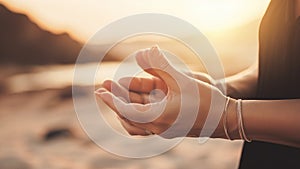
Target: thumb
pixel 154 62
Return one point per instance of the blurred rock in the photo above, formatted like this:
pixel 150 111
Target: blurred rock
pixel 81 91
pixel 13 163
pixel 65 93
pixel 58 133
pixel 24 42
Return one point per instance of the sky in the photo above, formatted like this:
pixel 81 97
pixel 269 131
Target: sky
pixel 82 18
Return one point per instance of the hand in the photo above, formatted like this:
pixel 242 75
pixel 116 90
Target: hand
pixel 202 77
pixel 136 100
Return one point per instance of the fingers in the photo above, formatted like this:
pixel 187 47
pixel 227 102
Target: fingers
pixel 155 62
pixel 122 92
pixel 154 128
pixel 132 127
pixel 132 130
pixel 110 100
pixel 141 113
pixel 202 77
pixel 143 85
pixel 116 89
pixel 123 109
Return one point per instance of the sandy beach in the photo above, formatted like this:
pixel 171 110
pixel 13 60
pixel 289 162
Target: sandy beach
pixel 24 143
pixel 40 129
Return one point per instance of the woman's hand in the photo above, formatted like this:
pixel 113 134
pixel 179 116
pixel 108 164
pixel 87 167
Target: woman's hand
pixel 204 77
pixel 161 99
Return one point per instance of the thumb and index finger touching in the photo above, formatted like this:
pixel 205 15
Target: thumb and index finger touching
pixel 154 62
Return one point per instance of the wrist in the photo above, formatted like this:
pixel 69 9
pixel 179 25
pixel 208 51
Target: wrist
pixel 232 122
pixel 228 122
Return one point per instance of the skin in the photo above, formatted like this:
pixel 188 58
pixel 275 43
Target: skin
pixel 154 62
pixel 274 121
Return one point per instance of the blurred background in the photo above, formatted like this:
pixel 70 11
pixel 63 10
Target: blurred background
pixel 39 45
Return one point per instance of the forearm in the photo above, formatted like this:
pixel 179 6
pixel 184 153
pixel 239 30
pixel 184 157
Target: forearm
pixel 275 121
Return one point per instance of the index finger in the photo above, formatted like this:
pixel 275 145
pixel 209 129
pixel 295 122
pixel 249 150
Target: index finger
pixel 141 113
pixel 143 85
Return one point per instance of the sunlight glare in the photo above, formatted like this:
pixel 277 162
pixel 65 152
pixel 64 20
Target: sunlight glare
pixel 217 15
pixel 82 18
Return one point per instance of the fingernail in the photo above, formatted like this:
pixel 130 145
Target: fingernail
pixel 100 95
pixel 155 50
pixel 100 90
pixel 141 60
pixel 106 84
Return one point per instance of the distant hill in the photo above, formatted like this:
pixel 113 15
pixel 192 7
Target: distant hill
pixel 24 42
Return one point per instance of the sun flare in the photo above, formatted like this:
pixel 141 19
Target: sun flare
pixel 82 18
pixel 217 15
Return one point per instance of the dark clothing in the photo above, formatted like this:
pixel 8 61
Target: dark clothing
pixel 279 78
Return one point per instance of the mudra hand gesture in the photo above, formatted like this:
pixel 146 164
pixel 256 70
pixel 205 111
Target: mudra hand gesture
pixel 136 100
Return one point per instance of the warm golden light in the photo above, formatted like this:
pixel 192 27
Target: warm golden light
pixel 218 15
pixel 83 18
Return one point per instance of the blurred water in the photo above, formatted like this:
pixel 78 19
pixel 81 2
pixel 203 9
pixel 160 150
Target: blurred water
pixel 60 76
pixel 53 77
